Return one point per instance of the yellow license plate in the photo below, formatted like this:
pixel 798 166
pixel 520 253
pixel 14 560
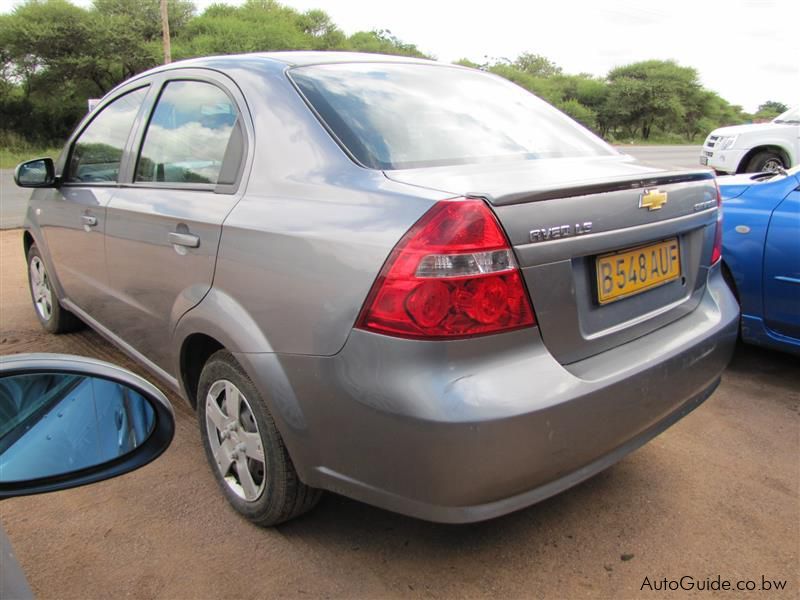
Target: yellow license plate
pixel 629 272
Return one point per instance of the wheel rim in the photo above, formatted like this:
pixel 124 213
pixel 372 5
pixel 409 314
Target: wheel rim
pixel 40 289
pixel 773 164
pixel 235 440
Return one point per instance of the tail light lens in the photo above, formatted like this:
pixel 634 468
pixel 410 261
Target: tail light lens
pixel 716 253
pixel 452 275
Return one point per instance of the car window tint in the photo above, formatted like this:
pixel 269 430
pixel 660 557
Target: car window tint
pixel 97 153
pixel 395 116
pixel 188 134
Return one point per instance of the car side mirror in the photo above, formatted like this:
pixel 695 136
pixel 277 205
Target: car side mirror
pixel 36 173
pixel 66 421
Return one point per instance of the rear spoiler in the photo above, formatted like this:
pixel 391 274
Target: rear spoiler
pixel 599 186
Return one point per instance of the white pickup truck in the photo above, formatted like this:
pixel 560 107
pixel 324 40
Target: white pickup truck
pixel 754 148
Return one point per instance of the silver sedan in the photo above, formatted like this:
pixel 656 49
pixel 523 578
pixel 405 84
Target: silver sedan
pixel 410 283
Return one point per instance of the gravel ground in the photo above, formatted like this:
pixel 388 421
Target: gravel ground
pixel 716 495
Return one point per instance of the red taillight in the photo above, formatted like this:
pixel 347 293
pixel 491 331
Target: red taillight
pixel 452 275
pixel 716 253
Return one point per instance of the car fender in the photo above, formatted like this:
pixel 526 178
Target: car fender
pixel 760 144
pixel 241 336
pixel 239 333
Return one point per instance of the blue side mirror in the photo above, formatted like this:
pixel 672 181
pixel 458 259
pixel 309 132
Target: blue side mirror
pixel 68 421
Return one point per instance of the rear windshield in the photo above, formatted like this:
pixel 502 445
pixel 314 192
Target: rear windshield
pixel 402 116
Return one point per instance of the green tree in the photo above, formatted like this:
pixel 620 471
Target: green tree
pixel 544 87
pixel 49 67
pixel 769 110
pixel 650 94
pixel 580 96
pixel 536 65
pixel 580 112
pixel 256 26
pixel 465 62
pixel 773 106
pixel 42 35
pixel 706 111
pixel 323 31
pixel 382 41
pixel 144 16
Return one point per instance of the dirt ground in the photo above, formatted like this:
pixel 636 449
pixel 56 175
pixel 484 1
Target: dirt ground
pixel 716 495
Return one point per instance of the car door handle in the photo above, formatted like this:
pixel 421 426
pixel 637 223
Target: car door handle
pixel 184 239
pixel 89 220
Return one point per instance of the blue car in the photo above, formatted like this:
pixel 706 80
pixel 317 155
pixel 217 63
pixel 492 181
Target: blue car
pixel 761 254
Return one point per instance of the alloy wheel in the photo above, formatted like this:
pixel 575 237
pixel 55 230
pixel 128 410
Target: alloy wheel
pixel 40 288
pixel 235 440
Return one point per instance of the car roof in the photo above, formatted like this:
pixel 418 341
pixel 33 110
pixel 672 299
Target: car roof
pixel 279 61
pixel 309 57
pixel 292 58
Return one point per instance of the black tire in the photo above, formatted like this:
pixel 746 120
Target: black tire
pixel 764 161
pixel 52 316
pixel 282 496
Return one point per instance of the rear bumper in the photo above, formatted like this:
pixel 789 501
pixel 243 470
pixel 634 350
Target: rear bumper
pixel 466 431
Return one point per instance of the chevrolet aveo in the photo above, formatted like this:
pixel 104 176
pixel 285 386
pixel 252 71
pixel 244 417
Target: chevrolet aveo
pixel 410 283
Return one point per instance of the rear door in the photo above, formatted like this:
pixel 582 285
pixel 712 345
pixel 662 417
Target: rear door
pixel 164 224
pixel 73 215
pixel 782 268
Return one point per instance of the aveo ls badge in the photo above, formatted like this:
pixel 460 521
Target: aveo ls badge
pixel 560 231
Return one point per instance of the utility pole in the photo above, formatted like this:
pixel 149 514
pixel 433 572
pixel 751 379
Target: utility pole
pixel 165 32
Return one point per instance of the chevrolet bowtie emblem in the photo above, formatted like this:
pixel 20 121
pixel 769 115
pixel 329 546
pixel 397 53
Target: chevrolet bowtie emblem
pixel 652 199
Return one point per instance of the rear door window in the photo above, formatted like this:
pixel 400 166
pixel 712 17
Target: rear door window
pixel 97 153
pixel 188 136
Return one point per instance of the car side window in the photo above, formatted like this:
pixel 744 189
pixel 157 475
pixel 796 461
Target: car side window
pixel 97 153
pixel 189 134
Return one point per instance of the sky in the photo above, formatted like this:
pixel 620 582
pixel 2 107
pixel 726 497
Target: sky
pixel 748 51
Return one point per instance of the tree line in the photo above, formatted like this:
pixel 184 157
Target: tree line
pixel 55 55
pixel 640 101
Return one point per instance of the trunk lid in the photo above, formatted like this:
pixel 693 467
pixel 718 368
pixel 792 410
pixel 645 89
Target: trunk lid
pixel 561 215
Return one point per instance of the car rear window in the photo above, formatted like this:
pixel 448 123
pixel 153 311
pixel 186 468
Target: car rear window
pixel 401 116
